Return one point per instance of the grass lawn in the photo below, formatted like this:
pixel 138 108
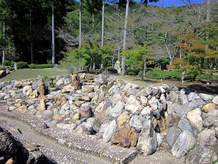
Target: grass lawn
pixel 33 73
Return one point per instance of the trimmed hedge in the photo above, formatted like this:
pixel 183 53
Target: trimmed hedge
pixel 159 74
pixel 40 66
pixel 21 65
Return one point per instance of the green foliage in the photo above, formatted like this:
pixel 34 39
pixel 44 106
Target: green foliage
pixel 206 76
pixel 73 60
pixel 162 63
pixel 40 66
pixel 159 74
pixel 131 72
pixel 47 78
pixel 8 63
pixel 21 65
pixel 109 67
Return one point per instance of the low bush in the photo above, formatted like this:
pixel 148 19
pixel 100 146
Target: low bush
pixel 8 63
pixel 131 72
pixel 21 65
pixel 159 74
pixel 40 66
pixel 206 76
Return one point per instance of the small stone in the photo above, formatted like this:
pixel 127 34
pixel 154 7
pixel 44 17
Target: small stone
pixel 85 98
pixel 195 119
pixel 206 97
pixel 146 111
pixel 184 125
pixel 207 138
pixel 215 100
pixel 143 100
pixel 59 82
pixel 34 94
pixel 172 120
pixel 60 99
pixel 71 126
pixel 208 107
pixel 137 122
pixel 174 97
pixel 76 117
pixel 172 134
pixel 183 144
pixel 27 90
pixel 41 89
pixel 41 107
pixel 88 125
pixel 123 119
pixel 76 81
pixel 57 117
pixel 85 111
pixel 68 89
pixel 147 145
pixel 88 89
pixel 48 113
pixel 109 131
pixel 193 96
pixel 18 85
pixel 66 106
pixel 22 109
pixel 79 103
pixel 153 102
pixel 116 110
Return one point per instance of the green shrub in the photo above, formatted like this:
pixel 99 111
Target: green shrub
pixel 40 66
pixel 206 76
pixel 131 72
pixel 8 63
pixel 159 74
pixel 110 67
pixel 21 65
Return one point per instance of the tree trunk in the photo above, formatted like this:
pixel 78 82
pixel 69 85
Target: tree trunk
pixel 102 27
pixel 125 35
pixel 144 69
pixel 53 39
pixel 93 26
pixel 31 42
pixel 119 48
pixel 80 23
pixel 3 40
pixel 208 19
pixel 146 24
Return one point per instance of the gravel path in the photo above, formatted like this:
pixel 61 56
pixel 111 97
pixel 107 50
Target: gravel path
pixel 50 148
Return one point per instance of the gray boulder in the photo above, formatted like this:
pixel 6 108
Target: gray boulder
pixel 184 125
pixel 137 121
pixel 183 144
pixel 172 135
pixel 201 155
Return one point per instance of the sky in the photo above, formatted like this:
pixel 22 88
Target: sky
pixel 167 3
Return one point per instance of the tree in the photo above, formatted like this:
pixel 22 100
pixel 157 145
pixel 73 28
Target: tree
pixel 93 6
pixel 53 37
pixel 139 55
pixel 125 35
pixel 80 23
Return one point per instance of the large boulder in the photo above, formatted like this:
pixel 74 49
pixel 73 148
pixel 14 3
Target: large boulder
pixel 172 134
pixel 195 119
pixel 201 155
pixel 183 144
pixel 125 137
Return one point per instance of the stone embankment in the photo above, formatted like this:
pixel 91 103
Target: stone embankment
pixel 105 110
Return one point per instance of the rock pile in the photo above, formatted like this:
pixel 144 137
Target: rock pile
pixel 13 151
pixel 146 118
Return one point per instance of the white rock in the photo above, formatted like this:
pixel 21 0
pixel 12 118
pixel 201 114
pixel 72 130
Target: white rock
pixel 116 110
pixel 215 100
pixel 195 118
pixel 206 97
pixel 27 90
pixel 193 96
pixel 109 131
pixel 146 111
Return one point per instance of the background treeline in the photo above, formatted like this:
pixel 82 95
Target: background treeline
pixel 183 38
